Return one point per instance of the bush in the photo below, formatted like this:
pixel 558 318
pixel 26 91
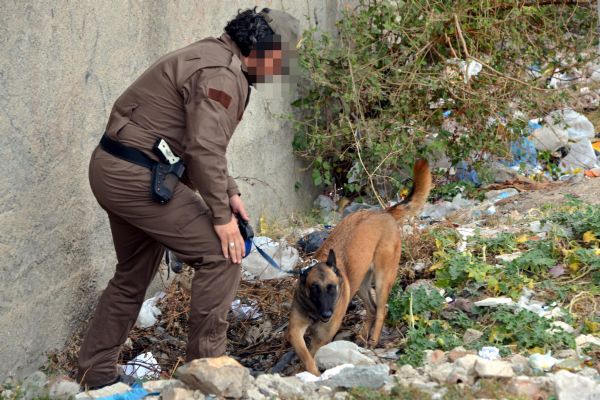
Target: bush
pixel 391 86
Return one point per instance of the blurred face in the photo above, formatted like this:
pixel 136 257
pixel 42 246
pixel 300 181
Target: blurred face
pixel 264 63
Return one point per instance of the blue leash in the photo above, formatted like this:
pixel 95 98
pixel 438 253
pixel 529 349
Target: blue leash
pixel 269 259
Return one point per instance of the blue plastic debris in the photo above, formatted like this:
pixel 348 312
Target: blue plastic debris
pixel 523 152
pixel 137 392
pixel 465 173
pixel 447 113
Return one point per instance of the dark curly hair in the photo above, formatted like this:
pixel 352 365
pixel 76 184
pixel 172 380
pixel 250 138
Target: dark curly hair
pixel 248 29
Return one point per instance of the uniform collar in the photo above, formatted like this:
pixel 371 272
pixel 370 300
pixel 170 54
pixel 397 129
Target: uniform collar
pixel 230 44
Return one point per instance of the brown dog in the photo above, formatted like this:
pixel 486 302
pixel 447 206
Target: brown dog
pixel 363 248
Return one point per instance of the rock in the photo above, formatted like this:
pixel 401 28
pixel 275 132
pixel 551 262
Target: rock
pixel 566 353
pixel 178 393
pixel 524 387
pixel 341 352
pixel 584 341
pixel 62 387
pixel 493 369
pixel 467 363
pixel 407 375
pixel 371 377
pixel 34 386
pixel 222 376
pixel 460 375
pixel 471 335
pixel 520 364
pixel 254 394
pixel 434 357
pixel 571 364
pixel 441 372
pixel 589 373
pixel 340 396
pixel 458 352
pixel 569 386
pixel 502 173
pixel 464 305
pixel 283 387
pixel 117 388
pixel 160 385
pixel 387 354
pixel 312 242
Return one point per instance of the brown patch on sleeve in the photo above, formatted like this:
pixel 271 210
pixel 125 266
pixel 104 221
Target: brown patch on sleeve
pixel 220 96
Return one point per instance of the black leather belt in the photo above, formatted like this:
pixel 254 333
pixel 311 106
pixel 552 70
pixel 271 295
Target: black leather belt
pixel 126 153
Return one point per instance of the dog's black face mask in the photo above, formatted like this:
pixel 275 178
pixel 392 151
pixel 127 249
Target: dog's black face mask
pixel 322 285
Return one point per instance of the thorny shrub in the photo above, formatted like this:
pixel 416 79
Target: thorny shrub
pixel 392 85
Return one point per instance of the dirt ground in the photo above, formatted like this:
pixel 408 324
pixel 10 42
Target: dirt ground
pixel 585 189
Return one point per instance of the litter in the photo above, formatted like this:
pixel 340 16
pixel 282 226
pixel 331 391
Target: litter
pixel 331 372
pixel 257 268
pixel 496 195
pixel 489 353
pixel 144 366
pixel 542 362
pixel 470 69
pixel 245 311
pixel 149 312
pixel 581 155
pixel 494 302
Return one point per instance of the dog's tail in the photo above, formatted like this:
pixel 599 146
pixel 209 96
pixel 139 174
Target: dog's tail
pixel 418 196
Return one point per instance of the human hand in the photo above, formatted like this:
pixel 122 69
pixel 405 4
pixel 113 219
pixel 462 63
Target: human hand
pixel 237 206
pixel 232 243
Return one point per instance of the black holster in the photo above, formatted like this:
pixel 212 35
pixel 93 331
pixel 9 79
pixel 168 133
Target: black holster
pixel 164 179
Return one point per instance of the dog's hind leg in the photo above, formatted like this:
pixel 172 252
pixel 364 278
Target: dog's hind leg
pixel 386 270
pixel 365 293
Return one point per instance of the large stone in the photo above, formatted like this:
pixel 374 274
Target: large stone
pixel 569 386
pixel 341 352
pixel 493 369
pixel 458 352
pixel 526 388
pixel 585 341
pixel 117 388
pixel 434 357
pixel 62 387
pixel 34 386
pixel 440 372
pixel 283 387
pixel 162 384
pixel 221 376
pixel 520 365
pixel 372 377
pixel 178 393
pixel 468 363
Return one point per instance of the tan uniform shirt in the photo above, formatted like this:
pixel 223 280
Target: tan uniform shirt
pixel 193 98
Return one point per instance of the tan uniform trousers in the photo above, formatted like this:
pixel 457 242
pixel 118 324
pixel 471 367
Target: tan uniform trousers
pixel 141 230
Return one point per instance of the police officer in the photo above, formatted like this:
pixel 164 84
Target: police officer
pixel 193 99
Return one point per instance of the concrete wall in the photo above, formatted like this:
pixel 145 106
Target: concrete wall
pixel 62 64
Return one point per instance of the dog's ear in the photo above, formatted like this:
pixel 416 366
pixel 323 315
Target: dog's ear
pixel 331 259
pixel 303 275
pixel 332 263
